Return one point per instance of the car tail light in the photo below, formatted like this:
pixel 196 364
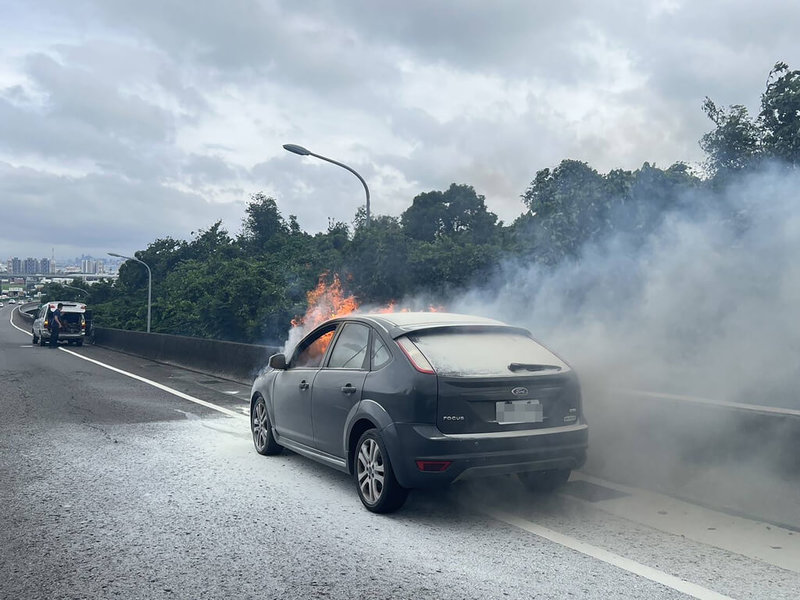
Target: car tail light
pixel 46 324
pixel 417 358
pixel 436 466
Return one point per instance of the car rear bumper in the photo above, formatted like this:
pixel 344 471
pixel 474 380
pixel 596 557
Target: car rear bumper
pixel 63 336
pixel 481 454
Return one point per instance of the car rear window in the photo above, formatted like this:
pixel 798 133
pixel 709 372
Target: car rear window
pixel 460 353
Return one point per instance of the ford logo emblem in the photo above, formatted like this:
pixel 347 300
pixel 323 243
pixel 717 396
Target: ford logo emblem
pixel 520 391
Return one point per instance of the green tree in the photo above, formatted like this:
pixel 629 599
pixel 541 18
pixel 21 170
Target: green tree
pixel 780 114
pixel 457 211
pixel 263 228
pixel 377 261
pixel 567 207
pixel 734 143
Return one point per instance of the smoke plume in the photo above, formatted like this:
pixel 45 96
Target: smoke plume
pixel 707 306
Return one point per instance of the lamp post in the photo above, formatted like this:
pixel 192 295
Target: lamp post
pixel 149 282
pixel 304 152
pixel 72 287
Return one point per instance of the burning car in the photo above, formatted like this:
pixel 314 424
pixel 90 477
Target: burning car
pixel 415 400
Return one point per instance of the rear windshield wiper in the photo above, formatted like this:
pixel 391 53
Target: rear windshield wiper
pixel 532 367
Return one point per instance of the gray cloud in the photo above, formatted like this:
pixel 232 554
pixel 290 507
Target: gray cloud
pixel 175 99
pixel 98 213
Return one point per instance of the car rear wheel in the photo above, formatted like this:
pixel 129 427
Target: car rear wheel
pixel 35 340
pixel 544 481
pixel 261 427
pixel 377 486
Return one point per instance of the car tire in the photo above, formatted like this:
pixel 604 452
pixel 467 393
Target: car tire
pixel 544 481
pixel 377 486
pixel 35 340
pixel 261 428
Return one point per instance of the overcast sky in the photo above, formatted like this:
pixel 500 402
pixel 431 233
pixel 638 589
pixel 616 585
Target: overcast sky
pixel 122 122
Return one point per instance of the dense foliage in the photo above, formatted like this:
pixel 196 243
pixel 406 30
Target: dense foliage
pixel 248 288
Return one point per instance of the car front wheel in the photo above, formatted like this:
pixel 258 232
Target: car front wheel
pixel 263 438
pixel 377 486
pixel 544 481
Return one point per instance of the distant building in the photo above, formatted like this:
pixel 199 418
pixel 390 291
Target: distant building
pixel 30 267
pixel 44 266
pixel 14 266
pixel 88 266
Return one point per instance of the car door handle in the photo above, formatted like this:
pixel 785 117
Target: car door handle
pixel 349 389
pixel 304 385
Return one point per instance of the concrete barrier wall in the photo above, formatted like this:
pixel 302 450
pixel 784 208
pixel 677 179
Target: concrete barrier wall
pixel 28 311
pixel 230 360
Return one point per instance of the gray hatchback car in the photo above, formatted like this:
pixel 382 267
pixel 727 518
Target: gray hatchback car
pixel 417 400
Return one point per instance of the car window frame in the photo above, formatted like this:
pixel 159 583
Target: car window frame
pixel 373 336
pixel 317 333
pixel 336 340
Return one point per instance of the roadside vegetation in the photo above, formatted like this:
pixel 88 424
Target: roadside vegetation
pixel 247 288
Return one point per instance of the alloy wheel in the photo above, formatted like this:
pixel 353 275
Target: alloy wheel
pixel 260 425
pixel 370 470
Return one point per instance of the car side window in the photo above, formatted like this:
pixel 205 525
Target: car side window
pixel 380 353
pixel 350 350
pixel 311 353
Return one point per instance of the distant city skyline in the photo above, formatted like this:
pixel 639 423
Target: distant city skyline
pixel 31 265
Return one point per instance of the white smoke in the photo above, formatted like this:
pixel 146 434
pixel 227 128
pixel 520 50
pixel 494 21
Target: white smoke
pixel 707 306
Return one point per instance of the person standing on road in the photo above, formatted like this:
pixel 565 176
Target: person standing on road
pixel 55 326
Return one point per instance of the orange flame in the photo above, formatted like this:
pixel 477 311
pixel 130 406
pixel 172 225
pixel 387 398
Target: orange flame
pixel 328 300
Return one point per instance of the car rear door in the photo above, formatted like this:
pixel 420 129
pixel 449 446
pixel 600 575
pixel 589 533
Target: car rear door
pixel 339 386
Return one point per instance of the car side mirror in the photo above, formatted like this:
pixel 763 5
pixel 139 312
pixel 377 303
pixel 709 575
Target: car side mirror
pixel 277 361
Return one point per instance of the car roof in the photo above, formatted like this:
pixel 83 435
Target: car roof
pixel 400 323
pixel 68 306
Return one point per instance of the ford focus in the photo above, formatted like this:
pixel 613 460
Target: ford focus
pixel 416 400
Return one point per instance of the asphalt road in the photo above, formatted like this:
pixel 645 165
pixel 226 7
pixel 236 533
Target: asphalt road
pixel 111 487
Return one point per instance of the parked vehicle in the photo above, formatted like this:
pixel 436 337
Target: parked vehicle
pixel 73 316
pixel 414 400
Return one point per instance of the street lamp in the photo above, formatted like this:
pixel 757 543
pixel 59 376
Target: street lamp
pixel 72 287
pixel 304 152
pixel 149 282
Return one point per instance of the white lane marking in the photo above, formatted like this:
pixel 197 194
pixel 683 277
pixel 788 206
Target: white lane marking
pixel 11 320
pixel 233 392
pixel 709 402
pixel 155 384
pixel 670 581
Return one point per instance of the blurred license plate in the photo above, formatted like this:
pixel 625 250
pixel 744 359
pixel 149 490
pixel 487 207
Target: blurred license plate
pixel 519 411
